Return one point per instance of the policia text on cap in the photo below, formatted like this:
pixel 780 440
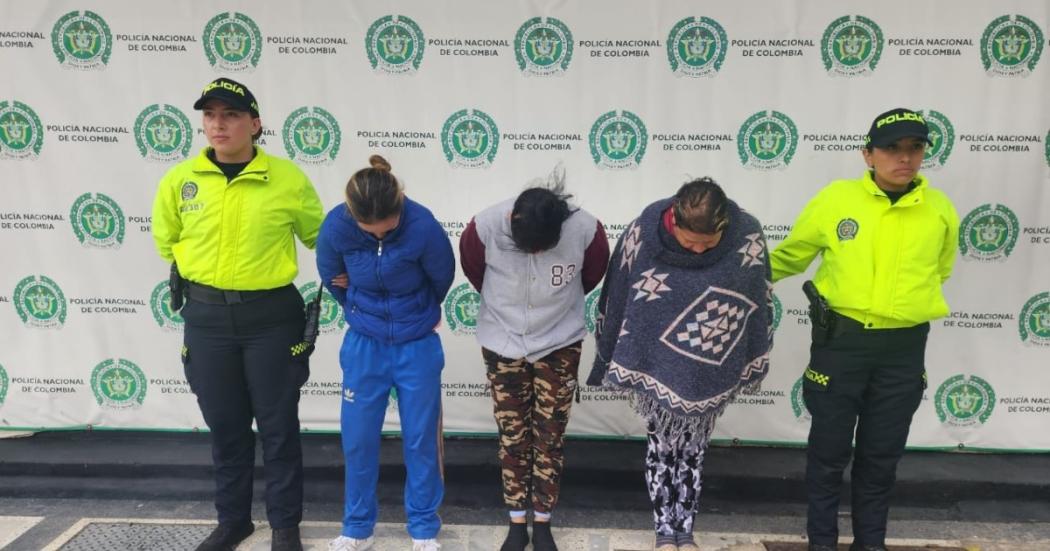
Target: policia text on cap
pixel 229 218
pixel 887 241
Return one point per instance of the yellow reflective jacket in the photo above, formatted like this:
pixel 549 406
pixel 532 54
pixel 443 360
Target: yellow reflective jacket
pixel 236 235
pixel 883 264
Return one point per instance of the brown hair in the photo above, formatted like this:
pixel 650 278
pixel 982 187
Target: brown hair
pixel 373 193
pixel 700 206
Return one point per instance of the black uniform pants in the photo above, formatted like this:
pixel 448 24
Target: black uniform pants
pixel 867 384
pixel 239 363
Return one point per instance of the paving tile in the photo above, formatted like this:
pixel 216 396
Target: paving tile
pixel 12 527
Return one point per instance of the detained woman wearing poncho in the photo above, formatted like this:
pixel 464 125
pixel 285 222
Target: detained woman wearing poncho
pixel 685 322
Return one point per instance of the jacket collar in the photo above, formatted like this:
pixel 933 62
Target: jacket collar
pixel 914 196
pixel 259 164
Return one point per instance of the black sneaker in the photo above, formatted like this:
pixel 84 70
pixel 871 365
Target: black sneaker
pixel 285 539
pixel 819 547
pixel 517 537
pixel 226 536
pixel 542 539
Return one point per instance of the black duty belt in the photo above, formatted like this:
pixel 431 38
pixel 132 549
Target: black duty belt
pixel 846 324
pixel 211 295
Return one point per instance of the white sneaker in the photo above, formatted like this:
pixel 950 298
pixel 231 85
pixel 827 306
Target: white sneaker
pixel 343 543
pixel 425 545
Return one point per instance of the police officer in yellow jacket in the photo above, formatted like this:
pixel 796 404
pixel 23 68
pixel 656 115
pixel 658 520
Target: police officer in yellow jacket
pixel 229 218
pixel 887 242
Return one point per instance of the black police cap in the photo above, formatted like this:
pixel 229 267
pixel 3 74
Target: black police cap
pixel 896 124
pixel 230 92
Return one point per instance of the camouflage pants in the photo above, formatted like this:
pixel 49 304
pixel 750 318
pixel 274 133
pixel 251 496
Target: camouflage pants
pixel 531 405
pixel 673 473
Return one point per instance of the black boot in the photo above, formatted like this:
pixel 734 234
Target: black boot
pixel 542 539
pixel 286 539
pixel 226 536
pixel 517 537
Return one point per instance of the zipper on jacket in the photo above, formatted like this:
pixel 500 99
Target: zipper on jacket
pixel 528 300
pixel 386 296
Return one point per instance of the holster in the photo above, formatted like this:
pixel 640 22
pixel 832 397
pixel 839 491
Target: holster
pixel 310 330
pixel 177 286
pixel 820 313
pixel 313 317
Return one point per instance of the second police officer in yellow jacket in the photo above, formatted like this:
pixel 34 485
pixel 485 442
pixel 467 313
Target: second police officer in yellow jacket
pixel 887 243
pixel 229 219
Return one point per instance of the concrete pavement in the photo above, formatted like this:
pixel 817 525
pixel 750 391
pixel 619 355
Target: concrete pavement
pixel 179 534
pixel 153 491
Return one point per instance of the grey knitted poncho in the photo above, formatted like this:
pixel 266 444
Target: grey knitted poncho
pixel 685 332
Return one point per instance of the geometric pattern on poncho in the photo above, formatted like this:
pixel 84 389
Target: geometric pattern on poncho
pixel 753 252
pixel 651 285
pixel 628 377
pixel 709 329
pixel 632 243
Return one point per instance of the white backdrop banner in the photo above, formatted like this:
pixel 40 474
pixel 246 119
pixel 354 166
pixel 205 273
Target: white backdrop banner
pixel 471 99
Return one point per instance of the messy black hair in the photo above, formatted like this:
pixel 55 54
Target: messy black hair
pixel 535 221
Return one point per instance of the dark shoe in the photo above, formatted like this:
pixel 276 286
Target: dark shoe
pixel 819 547
pixel 226 536
pixel 517 537
pixel 542 539
pixel 285 539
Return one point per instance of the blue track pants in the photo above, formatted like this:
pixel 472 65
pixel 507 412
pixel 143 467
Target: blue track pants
pixel 371 368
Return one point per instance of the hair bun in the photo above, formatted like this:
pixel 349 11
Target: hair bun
pixel 379 163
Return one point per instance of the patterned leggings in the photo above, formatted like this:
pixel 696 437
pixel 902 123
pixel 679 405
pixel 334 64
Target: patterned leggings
pixel 673 475
pixel 531 402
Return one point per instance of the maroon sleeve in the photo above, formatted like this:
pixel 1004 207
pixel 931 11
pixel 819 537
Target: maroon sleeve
pixel 472 255
pixel 595 259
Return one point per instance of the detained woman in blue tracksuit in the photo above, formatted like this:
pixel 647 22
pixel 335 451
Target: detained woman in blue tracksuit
pixel 389 263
